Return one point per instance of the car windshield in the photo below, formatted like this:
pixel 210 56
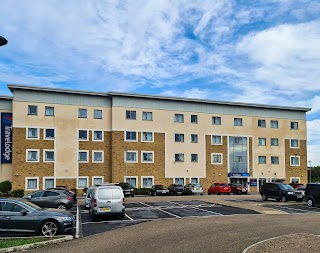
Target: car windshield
pixel 224 185
pixel 31 205
pixel 285 187
pixel 159 187
pixel 197 185
pixel 125 186
pixel 237 184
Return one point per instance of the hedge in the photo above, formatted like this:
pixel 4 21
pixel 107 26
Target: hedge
pixel 18 193
pixel 5 186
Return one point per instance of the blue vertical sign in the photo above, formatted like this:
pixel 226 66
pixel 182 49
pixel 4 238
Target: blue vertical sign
pixel 6 137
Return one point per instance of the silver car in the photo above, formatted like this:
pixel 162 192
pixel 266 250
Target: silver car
pixel 107 200
pixel 88 197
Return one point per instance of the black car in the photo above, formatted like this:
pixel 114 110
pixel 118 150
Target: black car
pixel 127 188
pixel 64 188
pixel 159 189
pixel 51 199
pixel 312 194
pixel 21 217
pixel 175 189
pixel 280 192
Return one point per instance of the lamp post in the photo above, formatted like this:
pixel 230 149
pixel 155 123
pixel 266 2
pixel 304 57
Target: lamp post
pixel 310 170
pixel 3 41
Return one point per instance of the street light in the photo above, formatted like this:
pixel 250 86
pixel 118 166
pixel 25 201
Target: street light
pixel 3 41
pixel 310 170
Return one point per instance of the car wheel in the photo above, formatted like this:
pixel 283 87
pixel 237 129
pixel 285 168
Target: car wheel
pixel 132 195
pixel 228 193
pixel 191 193
pixel 61 206
pixel 264 197
pixel 209 193
pixel 217 192
pixel 49 228
pixel 121 217
pixel 284 198
pixel 310 202
pixel 201 193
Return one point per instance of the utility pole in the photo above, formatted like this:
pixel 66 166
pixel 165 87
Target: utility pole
pixel 310 170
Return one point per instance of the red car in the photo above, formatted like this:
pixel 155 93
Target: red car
pixel 219 188
pixel 296 185
pixel 238 189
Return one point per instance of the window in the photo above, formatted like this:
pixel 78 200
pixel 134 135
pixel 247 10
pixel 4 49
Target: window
pixel 294 143
pixel 179 180
pixel 32 183
pixel 294 160
pixel 130 114
pixel 261 123
pixel 179 118
pixel 32 155
pixel 48 155
pixel 131 136
pixel 179 137
pixel 49 111
pixel 216 159
pixel 194 180
pixel 274 160
pixel 261 141
pixel 194 138
pixel 146 115
pixel 179 157
pixel 216 140
pixel 97 114
pixel 237 121
pixel 147 156
pixel 294 125
pixel 33 133
pixel 97 156
pixel 48 183
pixel 83 135
pixel 49 133
pixel 131 156
pixel 238 159
pixel 82 182
pixel 147 136
pixel 194 119
pixel 132 181
pixel 194 158
pixel 274 142
pixel 83 156
pixel 82 113
pixel 216 120
pixel 274 124
pixel 262 160
pixel 97 180
pixel 147 182
pixel 32 110
pixel 97 136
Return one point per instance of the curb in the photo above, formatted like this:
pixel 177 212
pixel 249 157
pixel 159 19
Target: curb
pixel 37 244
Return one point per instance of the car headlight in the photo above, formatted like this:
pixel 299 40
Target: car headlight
pixel 290 193
pixel 66 218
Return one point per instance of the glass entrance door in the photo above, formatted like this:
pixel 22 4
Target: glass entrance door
pixel 242 181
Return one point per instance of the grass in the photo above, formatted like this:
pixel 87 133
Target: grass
pixel 12 242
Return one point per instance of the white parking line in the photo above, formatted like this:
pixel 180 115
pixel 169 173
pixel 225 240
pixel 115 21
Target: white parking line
pixel 145 204
pixel 206 210
pixel 295 209
pixel 128 216
pixel 169 213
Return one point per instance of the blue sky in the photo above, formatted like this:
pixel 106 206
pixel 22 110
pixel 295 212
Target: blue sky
pixel 248 51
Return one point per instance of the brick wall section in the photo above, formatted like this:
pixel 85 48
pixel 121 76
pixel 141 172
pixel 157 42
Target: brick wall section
pixel 29 169
pixel 70 183
pixel 156 169
pixel 213 170
pixel 298 171
pixel 97 169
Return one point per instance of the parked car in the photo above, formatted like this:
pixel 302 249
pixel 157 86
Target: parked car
pixel 88 197
pixel 51 199
pixel 303 190
pixel 312 194
pixel 190 189
pixel 107 200
pixel 21 217
pixel 159 189
pixel 280 192
pixel 219 188
pixel 127 188
pixel 64 188
pixel 175 189
pixel 296 185
pixel 238 188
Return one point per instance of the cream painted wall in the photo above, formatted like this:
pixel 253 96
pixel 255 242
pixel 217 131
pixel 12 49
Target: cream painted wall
pixel 5 172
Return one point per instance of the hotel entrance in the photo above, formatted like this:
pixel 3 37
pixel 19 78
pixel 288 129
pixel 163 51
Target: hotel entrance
pixel 242 181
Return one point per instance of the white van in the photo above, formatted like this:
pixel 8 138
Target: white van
pixel 107 200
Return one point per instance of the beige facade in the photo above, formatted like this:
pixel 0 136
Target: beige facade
pixel 151 140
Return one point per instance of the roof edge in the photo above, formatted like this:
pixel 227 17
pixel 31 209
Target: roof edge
pixel 6 97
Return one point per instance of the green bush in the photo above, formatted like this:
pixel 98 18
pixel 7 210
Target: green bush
pixel 5 186
pixel 141 191
pixel 19 193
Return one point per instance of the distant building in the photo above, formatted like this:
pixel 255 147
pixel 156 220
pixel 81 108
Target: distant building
pixel 79 138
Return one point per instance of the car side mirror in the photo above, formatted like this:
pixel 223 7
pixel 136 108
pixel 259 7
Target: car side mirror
pixel 24 212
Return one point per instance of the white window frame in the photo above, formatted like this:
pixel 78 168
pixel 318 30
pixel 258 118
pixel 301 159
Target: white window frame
pixel 294 146
pixel 265 142
pixel 45 133
pixel 86 110
pixel 135 177
pixel 297 123
pixel 294 156
pixel 131 151
pixel 96 177
pixel 129 140
pixel 44 155
pixel 144 151
pixel 83 151
pixel 194 161
pixel 184 180
pixel 102 135
pixel 271 121
pixel 176 116
pixel 94 115
pixel 215 117
pixel 263 123
pixel 33 113
pixel 221 138
pixel 196 116
pixel 82 178
pixel 130 118
pixel 274 139
pixel 45 111
pixel 264 157
pixel 87 135
pixel 31 138
pixel 152 133
pixel 44 182
pixel 212 154
pixel 147 113
pixel 142 177
pixel 194 141
pixel 179 136
pixel 26 184
pixel 179 159
pixel 297 178
pixel 38 155
pixel 274 163
pixel 97 151
pixel 238 120
pixel 198 180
